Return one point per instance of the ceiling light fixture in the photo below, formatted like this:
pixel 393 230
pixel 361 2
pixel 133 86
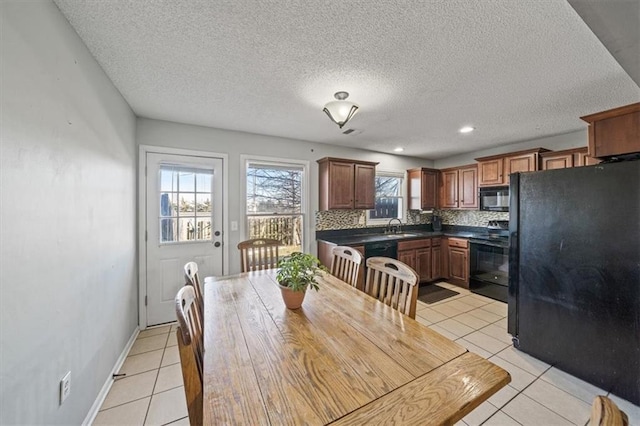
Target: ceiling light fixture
pixel 399 149
pixel 467 129
pixel 340 111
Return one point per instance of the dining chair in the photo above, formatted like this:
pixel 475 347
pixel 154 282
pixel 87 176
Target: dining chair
pixel 393 283
pixel 191 350
pixel 604 412
pixel 258 254
pixel 191 275
pixel 345 264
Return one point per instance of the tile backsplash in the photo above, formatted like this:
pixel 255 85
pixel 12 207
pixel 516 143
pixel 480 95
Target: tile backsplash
pixel 350 219
pixel 469 217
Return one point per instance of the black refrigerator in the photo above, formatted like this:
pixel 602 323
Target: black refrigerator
pixel 574 272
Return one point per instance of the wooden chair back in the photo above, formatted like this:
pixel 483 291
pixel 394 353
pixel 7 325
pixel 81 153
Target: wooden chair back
pixel 345 264
pixel 191 349
pixel 258 254
pixel 192 278
pixel 393 283
pixel 604 412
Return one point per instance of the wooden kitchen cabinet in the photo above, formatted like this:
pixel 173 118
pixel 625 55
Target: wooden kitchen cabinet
pixel 346 184
pixel 614 132
pixel 436 259
pixel 424 264
pixel 458 261
pixel 459 188
pixel 418 254
pixel 567 158
pixel 423 188
pixel 495 170
pixel 408 257
pixel 490 172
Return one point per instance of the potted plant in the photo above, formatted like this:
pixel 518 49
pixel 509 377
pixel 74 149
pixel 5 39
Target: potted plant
pixel 297 273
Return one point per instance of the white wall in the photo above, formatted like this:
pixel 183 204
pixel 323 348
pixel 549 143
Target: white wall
pixel 167 134
pixel 68 231
pixel 555 143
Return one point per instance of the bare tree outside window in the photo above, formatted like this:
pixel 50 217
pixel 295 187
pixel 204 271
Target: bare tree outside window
pixel 274 204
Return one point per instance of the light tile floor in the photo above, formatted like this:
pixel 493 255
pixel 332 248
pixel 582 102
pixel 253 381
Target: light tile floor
pixel 152 391
pixel 538 393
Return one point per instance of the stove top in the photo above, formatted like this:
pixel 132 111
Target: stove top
pixel 497 234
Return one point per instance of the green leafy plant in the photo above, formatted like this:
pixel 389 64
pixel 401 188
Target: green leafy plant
pixel 299 271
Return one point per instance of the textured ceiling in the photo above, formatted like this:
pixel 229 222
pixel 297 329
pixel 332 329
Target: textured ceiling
pixel 420 70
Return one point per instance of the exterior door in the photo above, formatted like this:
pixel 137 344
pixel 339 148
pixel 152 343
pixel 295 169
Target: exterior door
pixel 183 223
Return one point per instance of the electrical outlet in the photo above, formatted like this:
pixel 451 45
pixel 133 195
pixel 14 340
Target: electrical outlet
pixel 234 225
pixel 65 387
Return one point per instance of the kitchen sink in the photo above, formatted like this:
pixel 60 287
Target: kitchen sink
pixel 402 235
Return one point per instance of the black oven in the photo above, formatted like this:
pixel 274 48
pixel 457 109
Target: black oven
pixel 489 268
pixel 494 199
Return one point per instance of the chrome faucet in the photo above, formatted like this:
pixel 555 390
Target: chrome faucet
pixel 396 229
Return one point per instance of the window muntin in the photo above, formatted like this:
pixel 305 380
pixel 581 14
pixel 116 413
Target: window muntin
pixel 389 198
pixel 275 205
pixel 185 204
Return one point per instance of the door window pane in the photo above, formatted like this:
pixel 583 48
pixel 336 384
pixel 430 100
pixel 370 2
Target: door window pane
pixel 203 204
pixel 185 215
pixel 203 182
pixel 187 181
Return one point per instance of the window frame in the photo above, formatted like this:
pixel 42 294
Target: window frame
pixel 403 196
pixel 247 160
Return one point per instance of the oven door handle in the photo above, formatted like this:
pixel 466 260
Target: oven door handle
pixel 488 243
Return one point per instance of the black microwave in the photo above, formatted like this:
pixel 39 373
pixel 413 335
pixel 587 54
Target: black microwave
pixel 494 199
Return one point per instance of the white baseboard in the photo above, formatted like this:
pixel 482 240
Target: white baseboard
pixel 93 412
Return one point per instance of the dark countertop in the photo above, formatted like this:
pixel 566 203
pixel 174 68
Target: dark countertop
pixel 358 236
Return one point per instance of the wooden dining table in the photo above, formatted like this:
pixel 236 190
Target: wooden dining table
pixel 344 358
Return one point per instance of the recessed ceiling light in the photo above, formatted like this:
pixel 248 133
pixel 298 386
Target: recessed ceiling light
pixel 399 149
pixel 467 129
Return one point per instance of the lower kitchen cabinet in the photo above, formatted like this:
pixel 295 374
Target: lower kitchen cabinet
pixel 458 261
pixel 436 259
pixel 424 263
pixel 408 257
pixel 423 256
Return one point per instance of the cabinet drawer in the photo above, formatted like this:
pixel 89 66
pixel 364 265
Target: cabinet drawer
pixel 413 244
pixel 458 242
pixel 435 241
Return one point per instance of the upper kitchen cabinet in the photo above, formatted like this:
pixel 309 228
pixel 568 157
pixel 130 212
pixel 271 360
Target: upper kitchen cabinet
pixel 567 158
pixel 614 132
pixel 459 188
pixel 423 188
pixel 347 184
pixel 495 170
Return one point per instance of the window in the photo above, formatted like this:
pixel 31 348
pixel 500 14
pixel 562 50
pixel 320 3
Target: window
pixel 389 200
pixel 275 203
pixel 185 204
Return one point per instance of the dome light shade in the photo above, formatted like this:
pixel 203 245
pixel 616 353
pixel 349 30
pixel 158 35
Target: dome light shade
pixel 340 111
